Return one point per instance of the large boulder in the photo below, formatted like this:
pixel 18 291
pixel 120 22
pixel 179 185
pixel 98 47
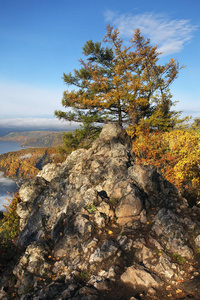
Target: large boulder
pixel 99 224
pixel 30 190
pixel 138 276
pixel 49 172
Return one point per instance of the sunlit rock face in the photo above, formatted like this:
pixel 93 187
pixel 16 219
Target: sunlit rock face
pixel 100 225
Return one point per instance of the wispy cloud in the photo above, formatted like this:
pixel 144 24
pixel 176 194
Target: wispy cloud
pixel 5 185
pixel 36 124
pixel 170 35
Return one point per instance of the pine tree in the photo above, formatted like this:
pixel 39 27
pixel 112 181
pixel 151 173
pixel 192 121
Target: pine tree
pixel 119 83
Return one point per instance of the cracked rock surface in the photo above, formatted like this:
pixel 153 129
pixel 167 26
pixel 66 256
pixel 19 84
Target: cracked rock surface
pixel 100 226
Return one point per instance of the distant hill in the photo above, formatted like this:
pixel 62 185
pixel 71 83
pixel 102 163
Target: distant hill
pixel 21 128
pixel 35 138
pixel 47 139
pixel 21 136
pixel 41 149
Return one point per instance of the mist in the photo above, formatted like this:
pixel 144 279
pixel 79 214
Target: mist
pixel 8 125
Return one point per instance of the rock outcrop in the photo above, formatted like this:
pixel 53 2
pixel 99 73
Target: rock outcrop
pixel 100 226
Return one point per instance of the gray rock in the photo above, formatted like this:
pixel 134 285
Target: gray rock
pixel 85 290
pixel 82 225
pixel 104 208
pixel 163 267
pixel 49 172
pixel 34 260
pixel 113 132
pixel 89 216
pixel 174 236
pixel 32 265
pixel 58 227
pixel 146 178
pixel 98 282
pixel 3 295
pixel 197 241
pixel 108 249
pixel 143 218
pixel 22 210
pixel 30 190
pixel 100 219
pixel 142 252
pixel 129 207
pixel 138 276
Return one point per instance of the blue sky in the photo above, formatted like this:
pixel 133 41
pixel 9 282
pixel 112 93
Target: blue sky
pixel 41 39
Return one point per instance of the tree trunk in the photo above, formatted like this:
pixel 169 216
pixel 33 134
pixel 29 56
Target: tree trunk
pixel 119 113
pixel 134 118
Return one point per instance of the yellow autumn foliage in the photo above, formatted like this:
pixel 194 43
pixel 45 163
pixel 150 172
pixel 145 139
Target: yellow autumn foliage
pixel 26 163
pixel 177 155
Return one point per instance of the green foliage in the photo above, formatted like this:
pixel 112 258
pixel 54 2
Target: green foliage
pixel 70 142
pixel 9 225
pixel 178 258
pixel 120 83
pixel 91 208
pixel 9 231
pixel 80 138
pixel 196 124
pixel 83 276
pixel 35 138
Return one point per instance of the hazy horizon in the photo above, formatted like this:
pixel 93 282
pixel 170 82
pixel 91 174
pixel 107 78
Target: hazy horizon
pixel 8 125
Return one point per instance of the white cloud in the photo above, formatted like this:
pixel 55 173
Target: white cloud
pixel 37 124
pixel 169 35
pixel 3 201
pixel 5 185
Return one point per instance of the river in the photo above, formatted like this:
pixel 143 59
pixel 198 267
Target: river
pixel 7 186
pixel 7 146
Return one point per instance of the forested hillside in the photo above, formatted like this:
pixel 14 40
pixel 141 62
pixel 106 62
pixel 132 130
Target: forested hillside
pixel 26 163
pixel 35 138
pixel 52 139
pixel 176 154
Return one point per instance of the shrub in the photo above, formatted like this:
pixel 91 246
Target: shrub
pixel 9 231
pixel 9 225
pixel 177 155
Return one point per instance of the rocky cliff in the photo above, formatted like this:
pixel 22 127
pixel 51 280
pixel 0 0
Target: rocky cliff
pixel 99 226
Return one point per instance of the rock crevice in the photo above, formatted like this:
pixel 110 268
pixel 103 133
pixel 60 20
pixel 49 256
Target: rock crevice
pixel 99 221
